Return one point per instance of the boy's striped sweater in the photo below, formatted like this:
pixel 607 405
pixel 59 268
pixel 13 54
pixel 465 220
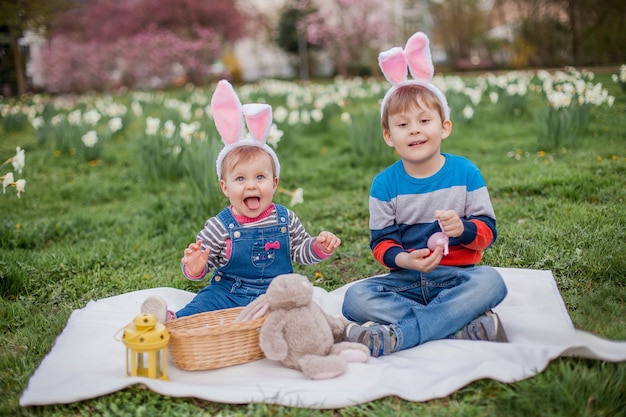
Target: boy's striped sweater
pixel 402 211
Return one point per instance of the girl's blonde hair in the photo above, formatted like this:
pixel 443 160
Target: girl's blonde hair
pixel 241 155
pixel 409 97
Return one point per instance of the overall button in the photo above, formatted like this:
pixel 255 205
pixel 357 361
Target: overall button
pixel 218 278
pixel 283 229
pixel 237 234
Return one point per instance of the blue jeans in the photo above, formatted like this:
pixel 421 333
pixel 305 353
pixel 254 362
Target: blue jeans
pixel 425 306
pixel 224 292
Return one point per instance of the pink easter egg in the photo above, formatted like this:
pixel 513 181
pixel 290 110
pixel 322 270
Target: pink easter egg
pixel 438 239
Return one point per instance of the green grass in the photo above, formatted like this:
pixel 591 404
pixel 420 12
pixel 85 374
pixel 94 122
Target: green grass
pixel 84 232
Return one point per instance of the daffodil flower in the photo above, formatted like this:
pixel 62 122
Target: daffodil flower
pixel 297 196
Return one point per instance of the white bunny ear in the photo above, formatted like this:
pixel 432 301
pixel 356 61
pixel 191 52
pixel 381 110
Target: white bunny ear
pixel 227 112
pixel 392 63
pixel 259 120
pixel 417 51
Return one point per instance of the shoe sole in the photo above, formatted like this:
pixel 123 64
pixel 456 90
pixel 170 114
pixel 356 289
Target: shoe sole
pixel 156 306
pixel 500 333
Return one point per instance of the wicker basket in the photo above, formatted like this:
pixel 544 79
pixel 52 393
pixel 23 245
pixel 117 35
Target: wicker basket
pixel 211 340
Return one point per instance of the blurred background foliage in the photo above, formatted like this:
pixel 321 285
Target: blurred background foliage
pixel 103 45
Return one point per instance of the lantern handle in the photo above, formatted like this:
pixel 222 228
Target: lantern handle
pixel 116 334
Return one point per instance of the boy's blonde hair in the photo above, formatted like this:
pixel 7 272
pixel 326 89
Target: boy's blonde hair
pixel 242 155
pixel 408 97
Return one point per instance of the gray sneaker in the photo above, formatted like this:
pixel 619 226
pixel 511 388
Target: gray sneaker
pixel 486 327
pixel 378 338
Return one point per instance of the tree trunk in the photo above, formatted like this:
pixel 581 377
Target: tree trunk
pixel 571 11
pixel 19 67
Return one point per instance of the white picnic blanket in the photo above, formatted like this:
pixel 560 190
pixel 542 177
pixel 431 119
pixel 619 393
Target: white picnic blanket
pixel 86 360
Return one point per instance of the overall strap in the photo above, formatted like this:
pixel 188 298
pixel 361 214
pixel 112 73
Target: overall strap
pixel 282 214
pixel 227 219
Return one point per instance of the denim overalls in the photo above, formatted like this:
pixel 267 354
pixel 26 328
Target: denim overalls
pixel 258 254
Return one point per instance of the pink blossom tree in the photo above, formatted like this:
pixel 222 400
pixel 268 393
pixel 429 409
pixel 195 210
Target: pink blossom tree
pixel 140 43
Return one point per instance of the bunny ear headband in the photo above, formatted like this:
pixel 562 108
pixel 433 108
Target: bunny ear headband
pixel 415 55
pixel 229 114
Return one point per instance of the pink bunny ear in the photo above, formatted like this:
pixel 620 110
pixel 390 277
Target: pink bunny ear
pixel 227 112
pixel 259 120
pixel 417 51
pixel 393 63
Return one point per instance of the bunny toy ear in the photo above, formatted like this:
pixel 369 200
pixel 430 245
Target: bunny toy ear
pixel 392 63
pixel 227 112
pixel 259 120
pixel 417 51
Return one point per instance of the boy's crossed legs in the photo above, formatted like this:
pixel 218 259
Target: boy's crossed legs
pixel 449 302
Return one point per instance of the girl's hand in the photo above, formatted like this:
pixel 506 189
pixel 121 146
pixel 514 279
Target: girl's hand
pixel 195 258
pixel 450 222
pixel 327 242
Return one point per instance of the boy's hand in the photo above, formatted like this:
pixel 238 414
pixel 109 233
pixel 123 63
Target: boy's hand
pixel 422 260
pixel 327 242
pixel 195 258
pixel 450 222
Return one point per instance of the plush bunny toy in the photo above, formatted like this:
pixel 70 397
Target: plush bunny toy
pixel 299 334
pixel 229 114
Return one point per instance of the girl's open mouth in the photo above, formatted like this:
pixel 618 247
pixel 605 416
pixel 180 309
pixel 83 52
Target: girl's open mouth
pixel 252 203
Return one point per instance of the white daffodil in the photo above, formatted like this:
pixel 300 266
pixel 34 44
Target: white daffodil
pixel 115 124
pixel 185 110
pixel 7 180
pixel 92 117
pixel 274 135
pixel 136 108
pixel 169 128
pixel 559 99
pixel 57 119
pixel 18 160
pixel 90 139
pixel 294 118
pixel 280 114
pixel 297 197
pixel 19 186
pixel 75 117
pixel 152 125
pixel 317 115
pixel 37 122
pixel 198 113
pixel 187 130
pixel 305 117
pixel 468 112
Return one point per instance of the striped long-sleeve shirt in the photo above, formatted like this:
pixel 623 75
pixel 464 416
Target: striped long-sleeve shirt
pixel 215 238
pixel 402 211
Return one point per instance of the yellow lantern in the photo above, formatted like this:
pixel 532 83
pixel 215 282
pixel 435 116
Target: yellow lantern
pixel 146 347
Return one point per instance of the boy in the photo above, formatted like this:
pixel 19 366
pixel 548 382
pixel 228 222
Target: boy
pixel 426 295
